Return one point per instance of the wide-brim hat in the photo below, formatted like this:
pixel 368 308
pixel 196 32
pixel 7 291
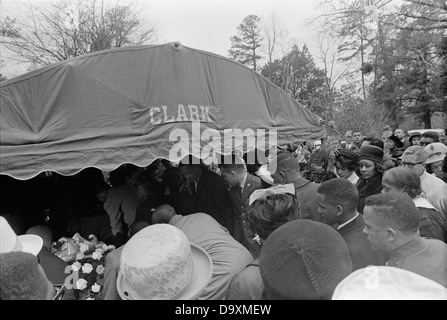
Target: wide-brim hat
pixel 347 154
pixel 396 140
pixel 264 174
pixel 388 283
pixel 10 241
pixel 201 275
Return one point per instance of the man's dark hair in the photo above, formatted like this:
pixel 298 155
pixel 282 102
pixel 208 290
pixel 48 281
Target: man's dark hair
pixel 340 191
pixel 346 162
pixel 395 209
pixel 267 214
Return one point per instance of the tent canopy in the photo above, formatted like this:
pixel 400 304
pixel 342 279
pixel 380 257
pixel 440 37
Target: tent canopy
pixel 137 104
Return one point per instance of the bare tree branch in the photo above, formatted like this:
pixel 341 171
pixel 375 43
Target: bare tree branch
pixel 51 33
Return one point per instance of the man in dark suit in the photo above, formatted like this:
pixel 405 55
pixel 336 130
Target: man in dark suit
pixel 400 134
pixel 337 204
pixel 210 193
pixel 242 186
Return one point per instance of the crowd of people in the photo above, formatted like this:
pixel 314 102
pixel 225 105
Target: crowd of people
pixel 308 224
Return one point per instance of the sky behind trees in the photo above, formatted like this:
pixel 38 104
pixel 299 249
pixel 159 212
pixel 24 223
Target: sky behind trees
pixel 208 24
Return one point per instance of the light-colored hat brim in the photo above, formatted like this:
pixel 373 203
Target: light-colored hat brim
pixel 435 158
pixel 201 276
pixel 264 174
pixel 388 283
pixel 30 243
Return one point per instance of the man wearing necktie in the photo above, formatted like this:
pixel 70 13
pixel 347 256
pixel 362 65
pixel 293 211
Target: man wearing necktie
pixel 242 186
pixel 209 191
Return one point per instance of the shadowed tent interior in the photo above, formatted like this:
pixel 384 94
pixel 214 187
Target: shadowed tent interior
pixel 123 105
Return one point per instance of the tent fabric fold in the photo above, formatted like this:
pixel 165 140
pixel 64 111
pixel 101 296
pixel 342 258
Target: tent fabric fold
pixel 137 104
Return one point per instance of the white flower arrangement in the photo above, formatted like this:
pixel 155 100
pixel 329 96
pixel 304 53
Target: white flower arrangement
pixel 89 266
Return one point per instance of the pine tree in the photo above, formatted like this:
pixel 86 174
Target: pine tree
pixel 245 44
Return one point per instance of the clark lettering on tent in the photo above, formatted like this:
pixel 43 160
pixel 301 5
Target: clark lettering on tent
pixel 121 106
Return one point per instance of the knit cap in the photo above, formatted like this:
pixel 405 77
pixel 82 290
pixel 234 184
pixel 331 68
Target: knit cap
pixel 303 260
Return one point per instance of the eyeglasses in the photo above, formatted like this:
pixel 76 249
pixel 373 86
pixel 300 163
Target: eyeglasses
pixel 410 165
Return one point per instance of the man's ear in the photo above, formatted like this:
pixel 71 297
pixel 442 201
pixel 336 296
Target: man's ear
pixel 339 210
pixel 391 234
pixel 283 177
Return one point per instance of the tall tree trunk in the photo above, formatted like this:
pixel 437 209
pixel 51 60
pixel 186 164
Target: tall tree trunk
pixel 425 100
pixel 362 53
pixel 254 58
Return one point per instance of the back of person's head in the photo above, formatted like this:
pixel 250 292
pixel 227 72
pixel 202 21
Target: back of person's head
pixel 303 260
pixel 173 178
pixel 144 186
pixel 396 210
pixel 232 163
pixel 100 186
pixel 377 142
pixel 347 159
pixel 267 214
pixel 341 192
pixel 42 231
pixel 404 179
pixel 284 163
pixel 388 283
pixel 163 214
pixel 138 226
pixel 22 278
pixel 431 135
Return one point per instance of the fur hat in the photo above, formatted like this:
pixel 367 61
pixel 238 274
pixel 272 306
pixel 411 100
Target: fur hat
pixel 372 153
pixel 303 259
